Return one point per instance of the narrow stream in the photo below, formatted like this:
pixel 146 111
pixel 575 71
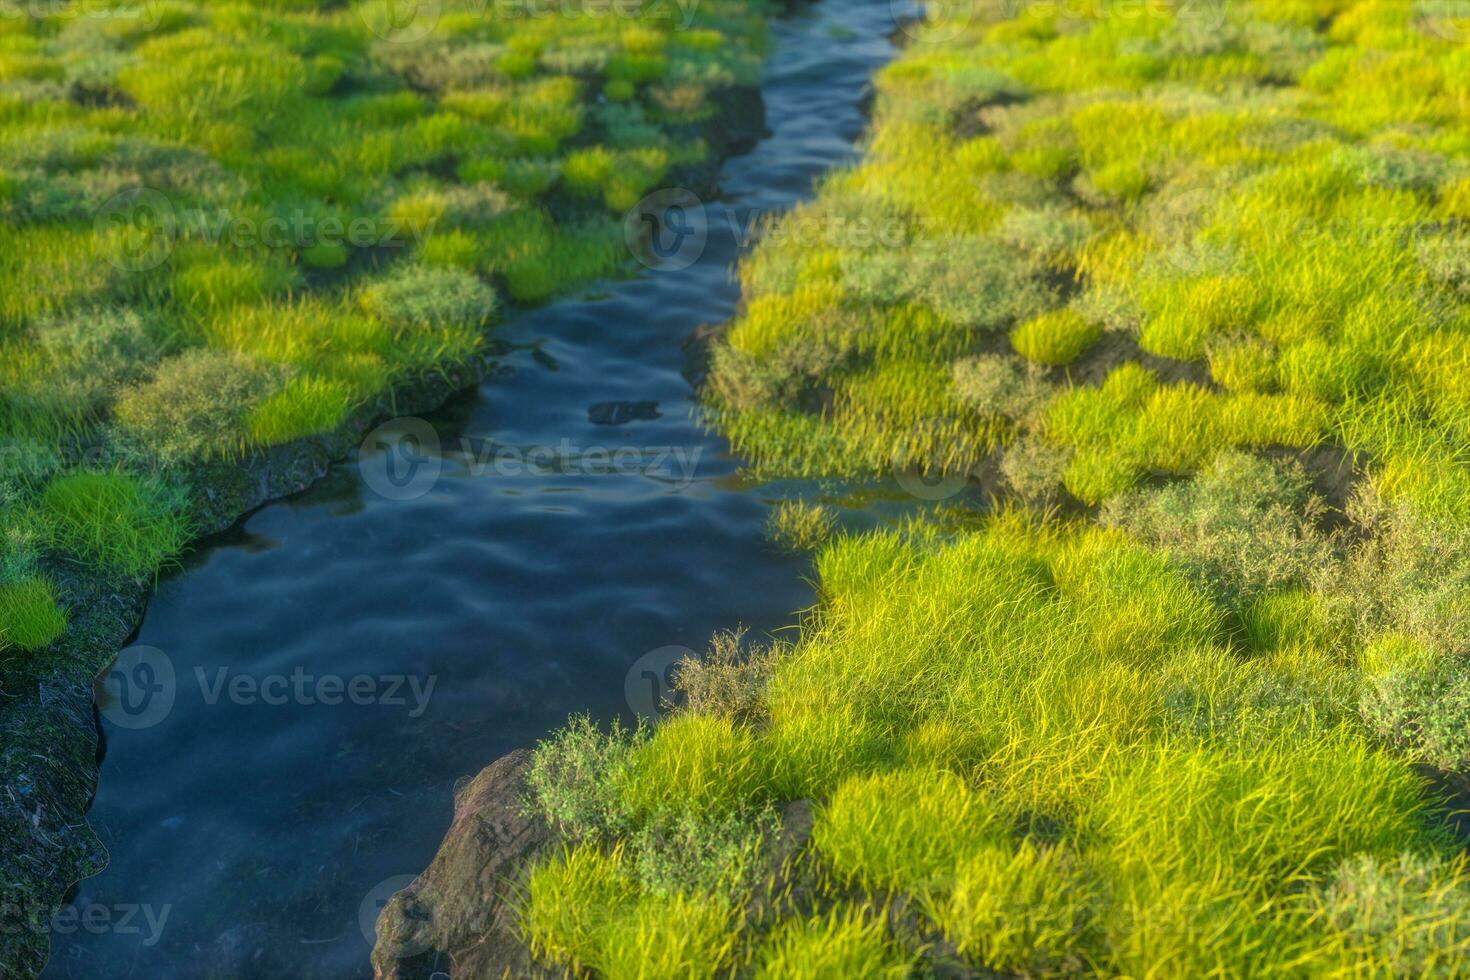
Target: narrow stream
pixel 341 658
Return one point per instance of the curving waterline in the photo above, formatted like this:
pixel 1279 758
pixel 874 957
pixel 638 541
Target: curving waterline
pixel 545 544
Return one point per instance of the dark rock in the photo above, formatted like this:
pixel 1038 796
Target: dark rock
pixel 620 413
pixel 457 917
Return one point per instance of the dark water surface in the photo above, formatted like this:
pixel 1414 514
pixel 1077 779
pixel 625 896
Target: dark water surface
pixel 305 765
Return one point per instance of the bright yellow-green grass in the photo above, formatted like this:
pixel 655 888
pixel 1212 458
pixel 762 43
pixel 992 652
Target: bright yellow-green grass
pixel 227 226
pixel 1146 256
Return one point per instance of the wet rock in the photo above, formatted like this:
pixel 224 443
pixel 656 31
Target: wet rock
pixel 456 917
pixel 620 413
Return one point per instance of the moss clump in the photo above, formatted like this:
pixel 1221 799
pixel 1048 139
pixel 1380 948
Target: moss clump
pixel 196 406
pixel 1055 338
pixel 30 617
pixel 114 522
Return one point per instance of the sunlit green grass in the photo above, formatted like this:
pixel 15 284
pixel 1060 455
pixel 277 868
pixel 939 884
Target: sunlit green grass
pixel 30 617
pixel 1050 740
pixel 232 226
pixel 114 521
pixel 1166 264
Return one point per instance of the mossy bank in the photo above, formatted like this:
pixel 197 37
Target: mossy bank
pixel 1183 283
pixel 239 235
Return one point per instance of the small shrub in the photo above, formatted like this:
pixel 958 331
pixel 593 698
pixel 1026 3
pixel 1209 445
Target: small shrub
pixel 114 521
pixel 1423 709
pixel 729 681
pixel 796 525
pixel 717 856
pixel 30 617
pixel 573 778
pixel 998 386
pixel 419 297
pixel 1410 575
pixel 196 406
pixel 18 549
pixel 1407 916
pixel 25 465
pixel 1033 469
pixel 1242 526
pixel 111 346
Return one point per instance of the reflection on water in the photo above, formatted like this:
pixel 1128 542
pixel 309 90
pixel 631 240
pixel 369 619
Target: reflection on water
pixel 340 658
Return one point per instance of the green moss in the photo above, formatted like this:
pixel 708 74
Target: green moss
pixel 113 521
pixel 304 406
pixel 1055 338
pixel 195 407
pixel 30 616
